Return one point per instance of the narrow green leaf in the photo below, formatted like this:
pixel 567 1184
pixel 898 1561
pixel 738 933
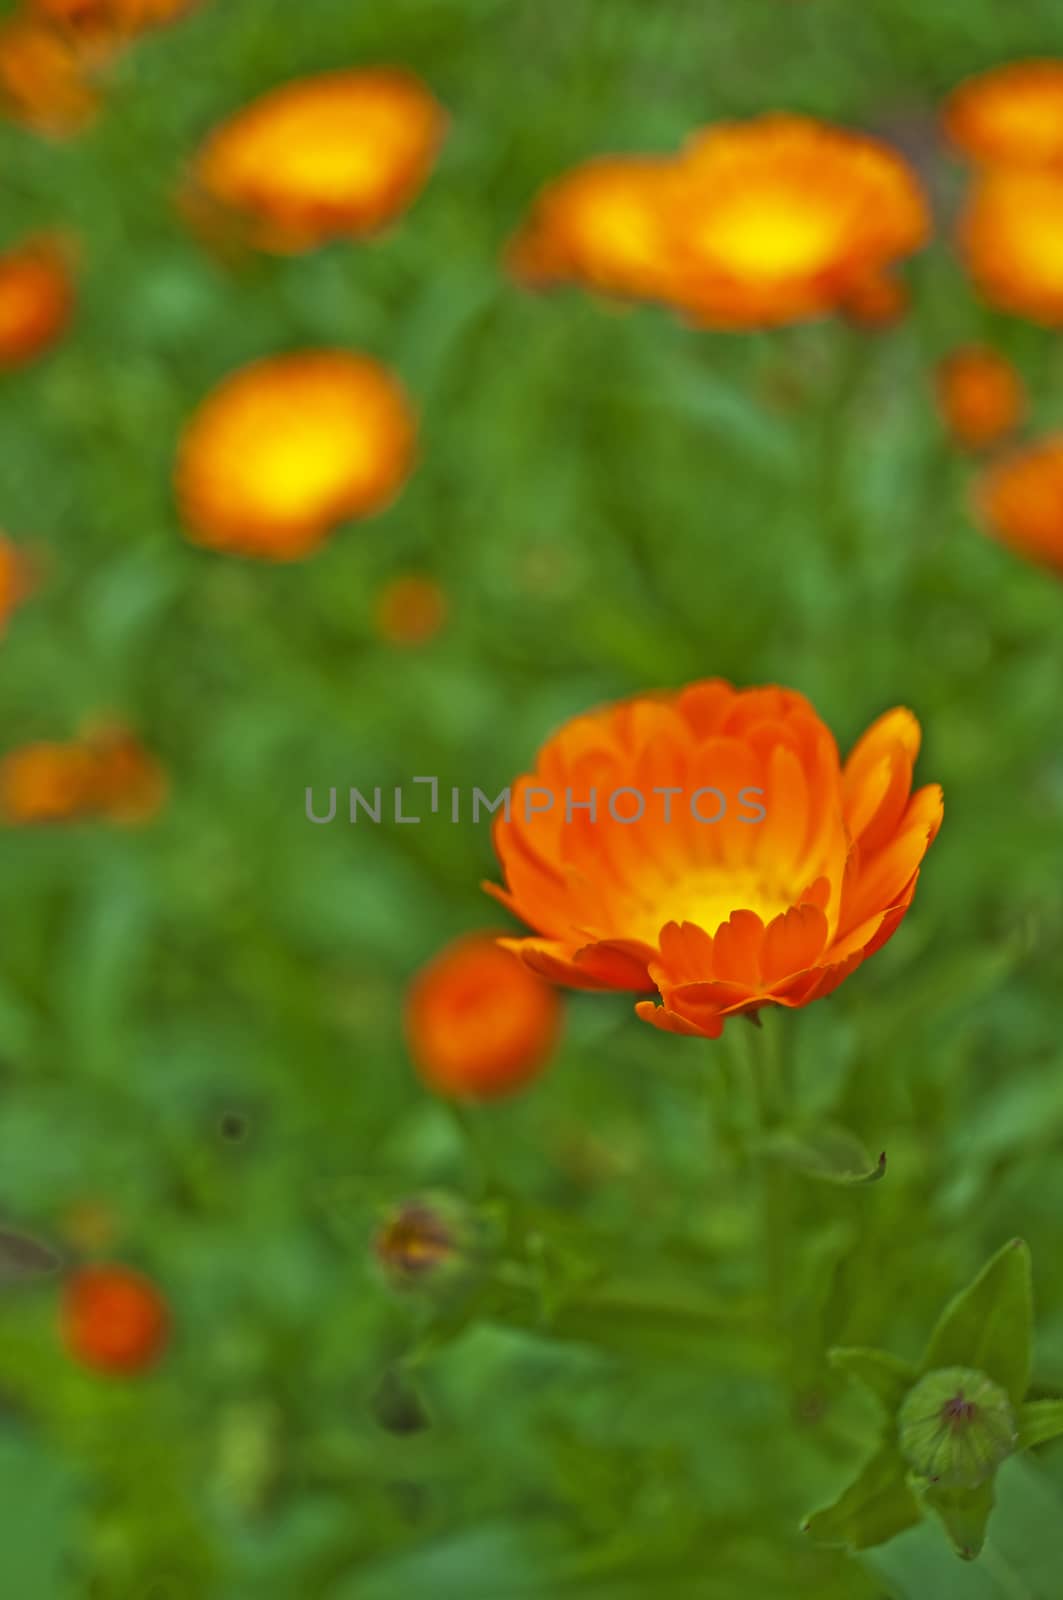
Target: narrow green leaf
pixel 1039 1421
pixel 829 1153
pixel 964 1514
pixel 989 1325
pixel 875 1507
pixel 888 1378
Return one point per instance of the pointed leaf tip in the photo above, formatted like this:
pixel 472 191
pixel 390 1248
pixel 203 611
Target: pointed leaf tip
pixel 989 1325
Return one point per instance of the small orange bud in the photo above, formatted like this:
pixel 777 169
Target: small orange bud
pixel 980 396
pixel 287 448
pixel 36 299
pixel 410 610
pixel 479 1023
pixel 114 1320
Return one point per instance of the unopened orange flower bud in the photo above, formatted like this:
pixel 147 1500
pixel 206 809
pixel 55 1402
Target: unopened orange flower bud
pixel 114 1320
pixel 980 396
pixel 36 299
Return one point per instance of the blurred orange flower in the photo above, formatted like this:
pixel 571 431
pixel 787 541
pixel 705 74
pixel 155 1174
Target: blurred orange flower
pixel 478 1023
pixel 15 579
pixel 107 774
pixel 410 610
pixel 114 1320
pixel 603 225
pixel 784 217
pixel 1021 499
pixel 289 447
pixel 753 224
pixel 980 396
pixel 1011 116
pixel 36 299
pixel 1011 237
pixel 107 21
pixel 336 155
pixel 44 78
pixel 718 910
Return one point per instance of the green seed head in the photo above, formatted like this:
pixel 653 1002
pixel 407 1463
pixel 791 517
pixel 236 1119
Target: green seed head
pixel 956 1427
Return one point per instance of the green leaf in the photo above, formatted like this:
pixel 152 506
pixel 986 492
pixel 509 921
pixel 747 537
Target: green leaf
pixel 964 1514
pixel 989 1325
pixel 830 1153
pixel 875 1507
pixel 1039 1421
pixel 888 1378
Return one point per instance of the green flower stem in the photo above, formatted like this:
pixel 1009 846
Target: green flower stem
pixel 760 1049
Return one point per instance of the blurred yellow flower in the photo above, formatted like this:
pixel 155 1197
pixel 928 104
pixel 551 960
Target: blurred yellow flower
pixel 36 299
pixel 980 396
pixel 285 449
pixel 753 224
pixel 1021 500
pixel 1011 238
pixel 337 155
pixel 1012 116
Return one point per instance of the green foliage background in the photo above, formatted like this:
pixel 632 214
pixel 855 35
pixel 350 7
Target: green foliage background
pixel 612 502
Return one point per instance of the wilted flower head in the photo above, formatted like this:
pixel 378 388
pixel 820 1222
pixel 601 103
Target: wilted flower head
pixel 1011 116
pixel 36 299
pixel 478 1023
pixel 1011 238
pixel 287 448
pixel 410 610
pixel 980 396
pixel 45 78
pixel 754 223
pixel 730 860
pixel 114 1320
pixel 336 155
pixel 107 774
pixel 1021 499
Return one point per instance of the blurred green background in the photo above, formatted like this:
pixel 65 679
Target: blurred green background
pixel 611 502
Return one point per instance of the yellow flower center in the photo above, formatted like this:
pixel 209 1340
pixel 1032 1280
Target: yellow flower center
pixel 769 235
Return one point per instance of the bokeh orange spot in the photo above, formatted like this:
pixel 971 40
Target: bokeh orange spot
pixel 479 1024
pixel 15 579
pixel 410 610
pixel 1011 116
pixel 45 78
pixel 1021 500
pixel 980 396
pixel 114 1320
pixel 319 158
pixel 107 774
pixel 286 449
pixel 36 299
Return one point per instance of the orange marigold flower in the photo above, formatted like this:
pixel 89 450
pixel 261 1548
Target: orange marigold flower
pixel 36 299
pixel 604 225
pixel 1012 116
pixel 114 1320
pixel 783 218
pixel 44 78
pixel 770 898
pixel 980 396
pixel 1011 237
pixel 410 610
pixel 106 774
pixel 15 579
pixel 332 156
pixel 287 448
pixel 1021 499
pixel 478 1023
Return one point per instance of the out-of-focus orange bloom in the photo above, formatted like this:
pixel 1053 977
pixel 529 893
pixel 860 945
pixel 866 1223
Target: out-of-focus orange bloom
pixel 15 579
pixel 110 21
pixel 287 448
pixel 36 299
pixel 1011 237
pixel 603 225
pixel 1021 499
pixel 980 396
pixel 771 898
pixel 410 610
pixel 332 156
pixel 478 1023
pixel 114 1320
pixel 784 217
pixel 1012 116
pixel 878 302
pixel 106 774
pixel 45 78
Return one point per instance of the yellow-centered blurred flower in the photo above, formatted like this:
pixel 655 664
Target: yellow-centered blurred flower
pixel 287 448
pixel 1011 116
pixel 332 156
pixel 1011 237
